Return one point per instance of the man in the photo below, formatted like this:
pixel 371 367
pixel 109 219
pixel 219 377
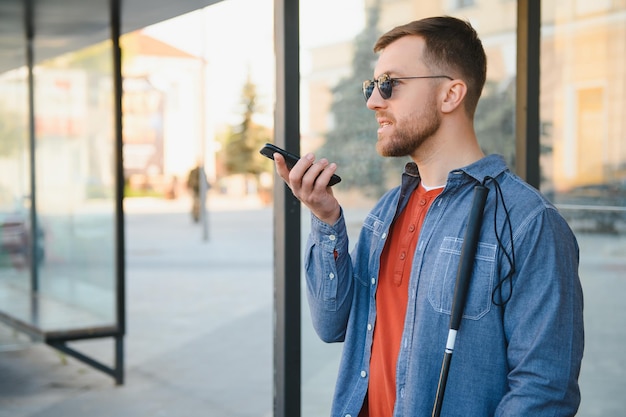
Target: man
pixel 519 347
pixel 194 181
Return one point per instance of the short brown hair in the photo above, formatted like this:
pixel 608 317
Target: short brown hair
pixel 452 46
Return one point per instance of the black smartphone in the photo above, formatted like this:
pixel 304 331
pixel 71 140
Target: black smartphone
pixel 270 149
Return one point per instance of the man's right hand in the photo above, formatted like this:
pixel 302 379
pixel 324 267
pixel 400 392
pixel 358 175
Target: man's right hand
pixel 308 181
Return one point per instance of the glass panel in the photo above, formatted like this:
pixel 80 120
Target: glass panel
pixel 335 121
pixel 75 189
pixel 224 125
pixel 583 167
pixel 15 220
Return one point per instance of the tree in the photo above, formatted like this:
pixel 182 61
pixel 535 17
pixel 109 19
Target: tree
pixel 351 142
pixel 241 145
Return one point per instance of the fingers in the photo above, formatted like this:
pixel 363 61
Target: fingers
pixel 318 175
pixel 281 167
pixel 301 174
pixel 308 181
pixel 307 173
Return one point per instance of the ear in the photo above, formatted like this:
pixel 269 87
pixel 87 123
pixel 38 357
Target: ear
pixel 454 94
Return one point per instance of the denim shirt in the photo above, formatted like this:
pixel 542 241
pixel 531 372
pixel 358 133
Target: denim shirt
pixel 520 359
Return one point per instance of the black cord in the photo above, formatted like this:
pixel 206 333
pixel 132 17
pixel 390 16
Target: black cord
pixel 508 277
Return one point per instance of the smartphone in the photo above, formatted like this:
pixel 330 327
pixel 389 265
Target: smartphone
pixel 270 149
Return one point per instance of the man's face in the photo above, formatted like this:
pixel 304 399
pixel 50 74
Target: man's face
pixel 410 117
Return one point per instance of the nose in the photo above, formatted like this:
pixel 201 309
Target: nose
pixel 375 101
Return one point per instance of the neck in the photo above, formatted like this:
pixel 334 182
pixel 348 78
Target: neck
pixel 446 154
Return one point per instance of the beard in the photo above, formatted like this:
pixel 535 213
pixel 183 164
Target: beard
pixel 411 133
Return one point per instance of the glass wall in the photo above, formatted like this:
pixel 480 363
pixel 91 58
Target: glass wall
pixel 15 221
pixel 583 168
pixel 72 242
pixel 75 187
pixel 583 148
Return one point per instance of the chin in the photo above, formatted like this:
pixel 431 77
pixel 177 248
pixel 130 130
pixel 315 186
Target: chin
pixel 387 149
pixel 381 148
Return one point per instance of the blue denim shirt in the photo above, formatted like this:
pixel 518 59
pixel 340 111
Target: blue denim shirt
pixel 522 359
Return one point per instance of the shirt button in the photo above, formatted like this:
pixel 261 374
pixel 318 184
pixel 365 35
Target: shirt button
pixel 332 237
pixel 363 374
pixel 348 415
pixel 423 202
pixel 369 327
pixel 384 236
pixel 402 255
pixel 412 228
pixel 373 281
pixel 331 275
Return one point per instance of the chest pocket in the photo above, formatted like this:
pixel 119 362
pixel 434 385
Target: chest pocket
pixel 443 279
pixel 373 225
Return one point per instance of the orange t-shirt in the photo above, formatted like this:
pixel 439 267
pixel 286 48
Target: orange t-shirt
pixel 391 300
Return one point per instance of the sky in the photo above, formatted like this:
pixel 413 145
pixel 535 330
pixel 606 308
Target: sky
pixel 239 41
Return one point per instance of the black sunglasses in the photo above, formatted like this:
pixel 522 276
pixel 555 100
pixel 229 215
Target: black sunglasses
pixel 385 84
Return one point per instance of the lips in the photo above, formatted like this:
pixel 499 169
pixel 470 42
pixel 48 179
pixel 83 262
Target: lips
pixel 383 123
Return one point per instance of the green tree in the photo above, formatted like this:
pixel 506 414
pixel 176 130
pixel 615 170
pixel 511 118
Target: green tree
pixel 241 144
pixel 352 141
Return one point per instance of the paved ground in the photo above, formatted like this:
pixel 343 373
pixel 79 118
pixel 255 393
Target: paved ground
pixel 199 326
pixel 199 337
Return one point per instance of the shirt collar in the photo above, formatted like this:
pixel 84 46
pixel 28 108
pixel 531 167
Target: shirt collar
pixel 489 166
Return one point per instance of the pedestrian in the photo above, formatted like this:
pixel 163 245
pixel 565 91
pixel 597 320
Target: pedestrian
pixel 519 348
pixel 194 181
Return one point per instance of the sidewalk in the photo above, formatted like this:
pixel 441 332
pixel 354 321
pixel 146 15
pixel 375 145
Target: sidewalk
pixel 199 325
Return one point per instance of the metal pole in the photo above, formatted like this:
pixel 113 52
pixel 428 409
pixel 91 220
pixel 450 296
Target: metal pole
pixel 464 273
pixel 30 63
pixel 202 174
pixel 287 228
pixel 120 247
pixel 527 118
pixel 204 215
